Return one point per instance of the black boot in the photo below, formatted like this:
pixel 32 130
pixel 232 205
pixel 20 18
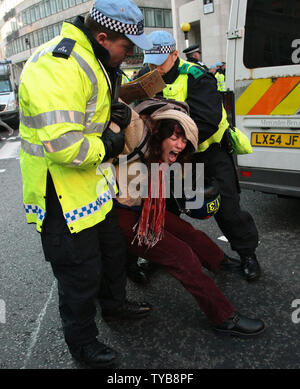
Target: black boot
pixel 129 310
pixel 250 267
pixel 230 263
pixel 240 325
pixel 94 354
pixel 139 270
pixel 135 272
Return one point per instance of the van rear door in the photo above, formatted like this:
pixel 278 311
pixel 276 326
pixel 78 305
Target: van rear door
pixel 266 82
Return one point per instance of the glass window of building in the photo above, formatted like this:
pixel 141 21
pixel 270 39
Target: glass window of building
pixel 56 29
pixel 18 45
pixel 53 7
pixel 31 39
pixel 158 17
pixel 42 9
pixel 168 18
pixel 51 32
pixel 66 4
pixel 72 3
pixel 47 8
pixel 45 34
pixel 32 15
pixel 40 37
pixel 24 18
pixel 59 5
pixel 35 38
pixel 149 17
pixel 13 25
pixel 28 17
pixel 37 12
pixel 79 1
pixel 10 48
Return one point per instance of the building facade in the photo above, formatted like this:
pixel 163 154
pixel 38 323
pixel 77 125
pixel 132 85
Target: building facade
pixel 209 22
pixel 27 24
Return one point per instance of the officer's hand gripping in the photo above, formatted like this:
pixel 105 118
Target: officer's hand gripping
pixel 113 143
pixel 120 114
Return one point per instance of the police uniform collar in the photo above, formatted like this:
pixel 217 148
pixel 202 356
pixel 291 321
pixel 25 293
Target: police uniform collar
pixel 100 52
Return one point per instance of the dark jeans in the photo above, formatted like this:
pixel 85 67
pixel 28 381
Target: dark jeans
pixel 236 224
pixel 87 265
pixel 182 252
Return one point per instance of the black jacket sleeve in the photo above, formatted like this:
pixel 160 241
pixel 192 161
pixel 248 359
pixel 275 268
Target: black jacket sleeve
pixel 205 103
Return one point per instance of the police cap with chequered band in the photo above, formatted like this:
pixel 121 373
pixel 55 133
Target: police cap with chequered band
pixel 122 16
pixel 163 44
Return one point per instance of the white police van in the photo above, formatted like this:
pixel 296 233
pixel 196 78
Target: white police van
pixel 263 71
pixel 9 110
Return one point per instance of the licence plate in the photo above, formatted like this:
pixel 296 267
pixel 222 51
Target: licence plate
pixel 272 139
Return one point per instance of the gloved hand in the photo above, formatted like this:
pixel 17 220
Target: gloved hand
pixel 113 143
pixel 120 114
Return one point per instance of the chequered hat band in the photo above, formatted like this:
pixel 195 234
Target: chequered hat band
pixel 159 49
pixel 116 25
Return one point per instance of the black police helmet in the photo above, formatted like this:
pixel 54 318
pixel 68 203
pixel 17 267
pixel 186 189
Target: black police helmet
pixel 211 202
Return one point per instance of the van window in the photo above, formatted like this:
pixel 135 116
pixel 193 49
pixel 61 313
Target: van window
pixel 5 86
pixel 272 33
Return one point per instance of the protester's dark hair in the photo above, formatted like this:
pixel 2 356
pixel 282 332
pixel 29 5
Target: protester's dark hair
pixel 161 130
pixel 95 28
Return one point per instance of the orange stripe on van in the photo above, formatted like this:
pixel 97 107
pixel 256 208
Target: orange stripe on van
pixel 274 95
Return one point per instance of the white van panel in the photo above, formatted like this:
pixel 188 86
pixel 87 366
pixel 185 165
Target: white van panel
pixel 266 102
pixel 275 160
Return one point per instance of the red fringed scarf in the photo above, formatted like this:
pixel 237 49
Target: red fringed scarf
pixel 150 226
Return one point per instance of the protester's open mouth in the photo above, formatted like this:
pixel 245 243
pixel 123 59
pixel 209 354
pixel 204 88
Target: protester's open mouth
pixel 173 155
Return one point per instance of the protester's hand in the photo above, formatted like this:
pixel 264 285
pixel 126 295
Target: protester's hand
pixel 113 143
pixel 120 114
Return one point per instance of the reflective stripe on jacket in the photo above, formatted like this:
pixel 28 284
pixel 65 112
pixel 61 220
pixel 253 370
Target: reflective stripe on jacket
pixel 64 108
pixel 178 90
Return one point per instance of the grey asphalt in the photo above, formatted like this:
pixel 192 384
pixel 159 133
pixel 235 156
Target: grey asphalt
pixel 177 334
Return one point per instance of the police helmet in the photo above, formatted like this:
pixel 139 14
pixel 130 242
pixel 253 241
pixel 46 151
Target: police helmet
pixel 211 202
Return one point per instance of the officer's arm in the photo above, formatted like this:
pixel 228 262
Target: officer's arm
pixel 205 104
pixel 66 139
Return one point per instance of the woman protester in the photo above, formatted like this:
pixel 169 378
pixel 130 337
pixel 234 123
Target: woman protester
pixel 164 238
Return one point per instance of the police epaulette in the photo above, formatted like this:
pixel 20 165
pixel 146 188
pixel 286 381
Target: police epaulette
pixel 195 71
pixel 64 48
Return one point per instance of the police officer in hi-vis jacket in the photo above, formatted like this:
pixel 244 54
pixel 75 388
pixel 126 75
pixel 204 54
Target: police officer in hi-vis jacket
pixel 188 82
pixel 69 126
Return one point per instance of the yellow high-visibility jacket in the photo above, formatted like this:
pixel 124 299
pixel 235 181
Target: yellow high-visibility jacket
pixel 220 82
pixel 64 109
pixel 178 90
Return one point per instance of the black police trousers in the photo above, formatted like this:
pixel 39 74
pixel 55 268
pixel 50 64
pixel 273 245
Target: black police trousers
pixel 88 266
pixel 236 224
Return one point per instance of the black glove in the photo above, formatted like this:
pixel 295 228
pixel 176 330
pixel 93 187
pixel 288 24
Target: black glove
pixel 113 143
pixel 120 114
